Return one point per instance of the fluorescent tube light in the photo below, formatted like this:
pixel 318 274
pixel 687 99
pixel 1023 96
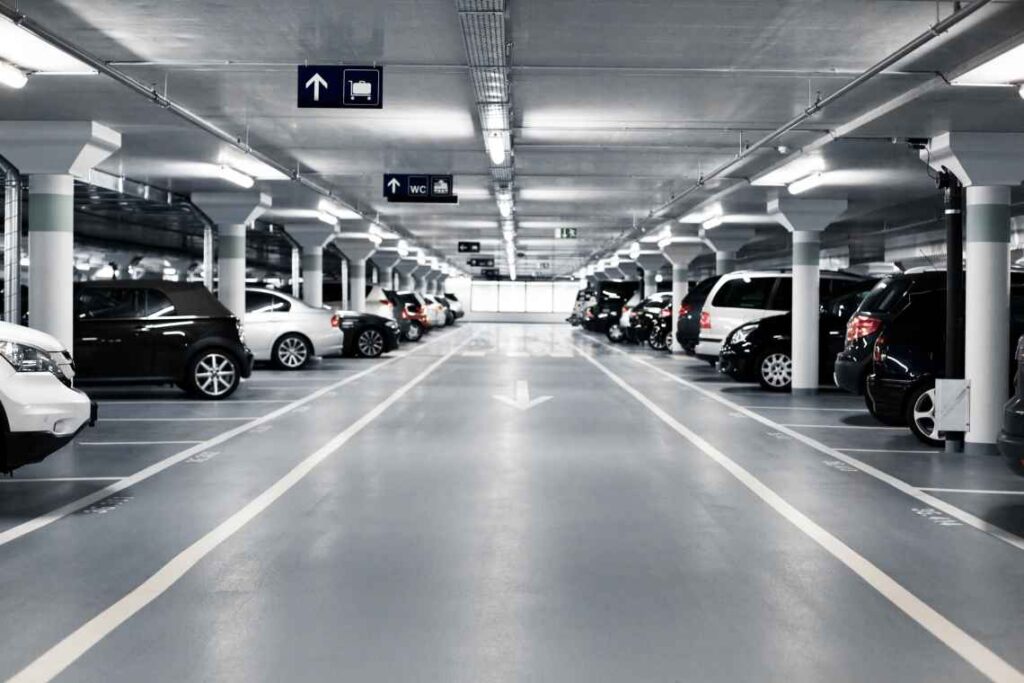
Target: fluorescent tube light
pixel 327 218
pixel 805 184
pixel 496 147
pixel 800 168
pixel 237 177
pixel 12 76
pixel 1005 69
pixel 342 212
pixel 24 49
pixel 713 223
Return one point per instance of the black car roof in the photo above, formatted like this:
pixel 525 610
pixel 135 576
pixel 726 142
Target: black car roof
pixel 189 298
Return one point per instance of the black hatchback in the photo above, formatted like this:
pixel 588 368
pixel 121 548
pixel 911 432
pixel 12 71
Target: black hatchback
pixel 156 332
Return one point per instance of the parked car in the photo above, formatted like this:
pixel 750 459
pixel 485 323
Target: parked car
pixel 457 308
pixel 378 302
pixel 289 332
pixel 40 411
pixel 584 298
pixel 157 332
pixel 435 311
pixel 688 330
pixel 620 330
pixel 1011 437
pixel 643 317
pixel 413 319
pixel 606 308
pixel 910 354
pixel 746 296
pixel 368 335
pixel 762 351
pixel 446 308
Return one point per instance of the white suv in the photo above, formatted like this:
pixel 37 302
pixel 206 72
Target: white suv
pixel 40 410
pixel 746 296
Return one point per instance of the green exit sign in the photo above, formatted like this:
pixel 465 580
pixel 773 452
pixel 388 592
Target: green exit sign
pixel 566 234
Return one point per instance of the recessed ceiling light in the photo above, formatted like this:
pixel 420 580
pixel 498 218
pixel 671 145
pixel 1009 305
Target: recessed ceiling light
pixel 12 76
pixel 805 184
pixel 24 49
pixel 800 168
pixel 1005 69
pixel 235 176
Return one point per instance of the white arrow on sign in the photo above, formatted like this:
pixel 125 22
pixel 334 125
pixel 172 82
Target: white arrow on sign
pixel 522 399
pixel 394 185
pixel 316 82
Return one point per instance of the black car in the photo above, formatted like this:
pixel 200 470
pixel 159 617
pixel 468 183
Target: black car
pixel 368 335
pixel 156 332
pixel 607 308
pixel 1011 437
pixel 643 319
pixel 688 330
pixel 910 354
pixel 762 351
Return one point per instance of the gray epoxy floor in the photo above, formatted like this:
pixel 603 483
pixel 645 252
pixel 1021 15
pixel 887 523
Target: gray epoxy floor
pixel 455 537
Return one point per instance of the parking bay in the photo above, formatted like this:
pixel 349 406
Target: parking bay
pixel 581 537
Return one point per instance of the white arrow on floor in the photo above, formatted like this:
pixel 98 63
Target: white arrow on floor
pixel 317 82
pixel 522 399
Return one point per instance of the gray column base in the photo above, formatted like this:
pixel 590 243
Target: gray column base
pixel 980 449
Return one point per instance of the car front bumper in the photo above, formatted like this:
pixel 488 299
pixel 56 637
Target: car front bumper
pixel 42 415
pixel 736 363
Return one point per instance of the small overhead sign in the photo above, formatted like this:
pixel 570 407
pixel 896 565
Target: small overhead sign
pixel 565 233
pixel 469 247
pixel 481 263
pixel 490 273
pixel 330 86
pixel 420 188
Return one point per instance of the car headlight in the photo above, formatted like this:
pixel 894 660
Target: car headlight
pixel 24 358
pixel 741 334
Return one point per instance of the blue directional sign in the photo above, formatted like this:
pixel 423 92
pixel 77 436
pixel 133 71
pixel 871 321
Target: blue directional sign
pixel 420 188
pixel 330 86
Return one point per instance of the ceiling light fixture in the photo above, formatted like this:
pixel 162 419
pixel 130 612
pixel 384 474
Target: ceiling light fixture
pixel 25 50
pixel 235 176
pixel 1005 69
pixel 341 212
pixel 327 218
pixel 12 76
pixel 805 184
pixel 791 172
pixel 713 223
pixel 496 144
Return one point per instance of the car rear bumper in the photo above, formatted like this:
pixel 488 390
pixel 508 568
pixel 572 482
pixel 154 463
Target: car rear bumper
pixel 888 397
pixel 850 373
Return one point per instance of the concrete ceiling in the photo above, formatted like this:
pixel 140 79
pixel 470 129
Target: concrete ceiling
pixel 618 106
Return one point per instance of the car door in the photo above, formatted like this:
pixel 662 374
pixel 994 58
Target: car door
pixel 168 333
pixel 107 340
pixel 266 319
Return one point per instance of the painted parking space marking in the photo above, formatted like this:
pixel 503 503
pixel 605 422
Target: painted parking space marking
pixel 934 451
pixel 52 662
pixel 44 520
pixel 896 483
pixel 952 636
pixel 985 492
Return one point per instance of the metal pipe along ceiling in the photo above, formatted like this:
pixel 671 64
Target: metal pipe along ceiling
pixel 179 110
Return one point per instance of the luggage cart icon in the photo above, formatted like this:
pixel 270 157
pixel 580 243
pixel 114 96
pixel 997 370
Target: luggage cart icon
pixel 360 89
pixel 441 187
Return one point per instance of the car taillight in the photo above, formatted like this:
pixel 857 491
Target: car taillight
pixel 878 353
pixel 589 313
pixel 665 313
pixel 705 320
pixel 385 302
pixel 685 309
pixel 861 326
pixel 335 320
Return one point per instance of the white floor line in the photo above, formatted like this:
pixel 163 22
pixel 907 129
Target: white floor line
pixel 51 663
pixel 898 484
pixel 179 419
pixel 31 480
pixel 990 492
pixel 136 443
pixel 934 451
pixel 48 518
pixel 972 651
pixel 874 427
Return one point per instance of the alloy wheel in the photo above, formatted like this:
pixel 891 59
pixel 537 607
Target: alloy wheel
pixel 292 352
pixel 414 333
pixel 923 415
pixel 215 374
pixel 777 370
pixel 371 343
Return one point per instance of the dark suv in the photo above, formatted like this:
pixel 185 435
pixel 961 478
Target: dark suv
pixel 155 332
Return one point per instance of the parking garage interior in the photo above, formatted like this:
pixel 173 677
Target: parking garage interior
pixel 505 340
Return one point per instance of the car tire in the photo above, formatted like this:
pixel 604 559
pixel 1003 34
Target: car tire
pixel 213 374
pixel 370 343
pixel 291 352
pixel 774 370
pixel 615 334
pixel 657 340
pixel 414 332
pixel 920 415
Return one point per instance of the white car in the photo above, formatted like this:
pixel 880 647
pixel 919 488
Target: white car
pixel 746 296
pixel 435 311
pixel 41 410
pixel 377 303
pixel 289 332
pixel 457 308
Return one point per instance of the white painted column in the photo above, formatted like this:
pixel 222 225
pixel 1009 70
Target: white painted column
pixel 357 283
pixel 680 249
pixel 680 288
pixel 51 250
pixel 725 262
pixel 296 272
pixel 357 248
pixel 231 268
pixel 806 295
pixel 209 249
pixel 313 276
pixel 987 352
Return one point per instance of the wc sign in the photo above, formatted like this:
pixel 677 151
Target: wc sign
pixel 420 188
pixel 331 86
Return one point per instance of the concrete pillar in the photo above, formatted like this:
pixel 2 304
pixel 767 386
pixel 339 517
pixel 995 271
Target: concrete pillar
pixel 233 213
pixel 419 274
pixel 618 268
pixel 806 219
pixel 405 268
pixel 357 247
pixel 386 258
pixel 988 164
pixel 209 250
pixel 726 240
pixel 51 155
pixel 680 247
pixel 296 272
pixel 650 261
pixel 311 238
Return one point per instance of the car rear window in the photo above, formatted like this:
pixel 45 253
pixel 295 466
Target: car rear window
pixel 745 292
pixel 700 291
pixel 885 295
pixel 451 297
pixel 105 303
